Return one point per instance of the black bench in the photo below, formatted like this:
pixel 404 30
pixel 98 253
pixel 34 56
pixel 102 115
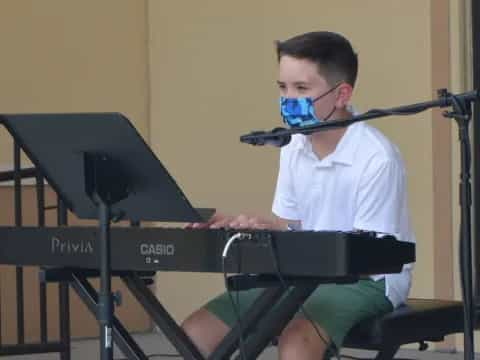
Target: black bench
pixel 418 321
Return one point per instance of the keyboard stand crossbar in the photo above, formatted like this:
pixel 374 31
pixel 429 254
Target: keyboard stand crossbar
pixel 274 322
pixel 161 317
pixel 259 325
pixel 248 324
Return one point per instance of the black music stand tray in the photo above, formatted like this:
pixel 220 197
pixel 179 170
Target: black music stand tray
pixel 102 169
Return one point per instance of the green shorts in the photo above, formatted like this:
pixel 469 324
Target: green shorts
pixel 335 307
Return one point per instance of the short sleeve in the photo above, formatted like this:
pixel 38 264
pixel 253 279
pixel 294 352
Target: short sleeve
pixel 379 198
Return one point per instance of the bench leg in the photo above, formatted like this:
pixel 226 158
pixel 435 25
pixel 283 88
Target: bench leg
pixel 387 352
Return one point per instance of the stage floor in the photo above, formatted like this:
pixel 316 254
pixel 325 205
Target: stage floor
pixel 153 344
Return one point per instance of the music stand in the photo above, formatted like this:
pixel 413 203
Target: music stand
pixel 102 169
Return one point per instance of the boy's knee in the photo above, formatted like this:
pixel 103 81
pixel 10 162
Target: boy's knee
pixel 191 324
pixel 205 330
pixel 300 340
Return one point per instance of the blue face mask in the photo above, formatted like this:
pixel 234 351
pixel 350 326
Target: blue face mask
pixel 299 112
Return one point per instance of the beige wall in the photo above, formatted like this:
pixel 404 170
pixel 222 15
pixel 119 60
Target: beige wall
pixel 73 56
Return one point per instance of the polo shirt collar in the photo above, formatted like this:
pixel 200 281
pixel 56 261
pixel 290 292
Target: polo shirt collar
pixel 345 150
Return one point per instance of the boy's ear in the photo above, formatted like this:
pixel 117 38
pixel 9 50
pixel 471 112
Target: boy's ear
pixel 344 93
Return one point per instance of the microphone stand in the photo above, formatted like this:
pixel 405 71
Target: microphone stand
pixel 461 105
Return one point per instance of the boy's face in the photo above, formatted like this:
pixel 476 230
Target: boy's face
pixel 300 78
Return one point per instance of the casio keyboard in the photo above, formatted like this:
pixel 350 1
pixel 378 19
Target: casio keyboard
pixel 298 253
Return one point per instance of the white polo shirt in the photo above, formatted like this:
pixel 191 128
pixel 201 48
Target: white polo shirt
pixel 359 186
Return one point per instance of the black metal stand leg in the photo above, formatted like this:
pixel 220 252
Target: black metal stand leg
pixel 63 286
pixel 274 322
pixel 105 300
pixel 121 337
pixel 64 317
pixel 106 184
pixel 162 318
pixel 18 222
pixel 462 112
pixel 465 240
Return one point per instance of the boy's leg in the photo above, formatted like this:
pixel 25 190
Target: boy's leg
pixel 335 309
pixel 209 325
pixel 205 330
pixel 299 340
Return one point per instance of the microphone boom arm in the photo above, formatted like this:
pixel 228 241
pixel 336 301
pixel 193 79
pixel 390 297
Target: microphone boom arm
pixel 274 136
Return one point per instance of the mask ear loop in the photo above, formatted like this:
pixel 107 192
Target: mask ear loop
pixel 319 97
pixel 327 92
pixel 331 113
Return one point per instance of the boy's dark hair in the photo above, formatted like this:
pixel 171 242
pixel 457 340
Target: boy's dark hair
pixel 332 53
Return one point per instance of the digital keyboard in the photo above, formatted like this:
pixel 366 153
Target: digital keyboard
pixel 295 253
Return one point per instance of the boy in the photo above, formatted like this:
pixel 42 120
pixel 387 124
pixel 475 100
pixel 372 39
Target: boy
pixel 343 179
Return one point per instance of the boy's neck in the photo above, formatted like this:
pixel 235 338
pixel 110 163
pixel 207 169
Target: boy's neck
pixel 325 142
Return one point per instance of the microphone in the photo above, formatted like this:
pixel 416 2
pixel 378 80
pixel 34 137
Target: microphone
pixel 274 137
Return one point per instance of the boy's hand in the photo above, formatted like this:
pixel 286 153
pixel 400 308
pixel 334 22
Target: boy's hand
pixel 252 222
pixel 219 220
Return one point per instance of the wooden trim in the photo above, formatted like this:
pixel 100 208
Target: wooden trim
pixel 442 160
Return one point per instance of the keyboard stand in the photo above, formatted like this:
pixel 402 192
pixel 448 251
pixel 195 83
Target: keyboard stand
pixel 121 337
pixel 78 280
pixel 259 325
pixel 161 317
